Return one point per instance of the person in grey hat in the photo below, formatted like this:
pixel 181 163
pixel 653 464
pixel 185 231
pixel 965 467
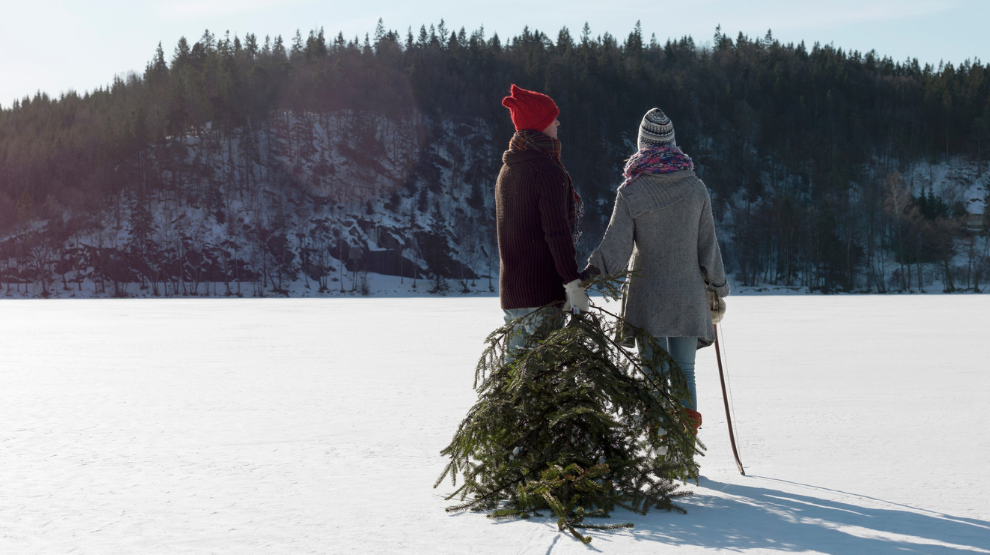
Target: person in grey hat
pixel 663 222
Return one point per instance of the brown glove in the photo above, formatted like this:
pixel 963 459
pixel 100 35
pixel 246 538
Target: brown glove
pixel 717 305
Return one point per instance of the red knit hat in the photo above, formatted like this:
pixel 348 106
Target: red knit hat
pixel 530 110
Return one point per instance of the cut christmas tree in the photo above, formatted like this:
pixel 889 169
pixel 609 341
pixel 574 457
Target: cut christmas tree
pixel 573 422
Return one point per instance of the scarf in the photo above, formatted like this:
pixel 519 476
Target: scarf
pixel 527 139
pixel 655 159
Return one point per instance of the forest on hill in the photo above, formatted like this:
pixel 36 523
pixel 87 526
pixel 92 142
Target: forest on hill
pixel 259 162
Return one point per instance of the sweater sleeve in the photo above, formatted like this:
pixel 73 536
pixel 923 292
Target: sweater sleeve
pixel 709 255
pixel 553 198
pixel 612 255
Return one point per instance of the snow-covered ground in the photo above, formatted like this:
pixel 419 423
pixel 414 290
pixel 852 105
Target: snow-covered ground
pixel 379 285
pixel 267 426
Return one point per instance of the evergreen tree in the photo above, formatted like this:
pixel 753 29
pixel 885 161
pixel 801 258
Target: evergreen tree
pixel 141 248
pixel 574 423
pixel 795 142
pixel 437 251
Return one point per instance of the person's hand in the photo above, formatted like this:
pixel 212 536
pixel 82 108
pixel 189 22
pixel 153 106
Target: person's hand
pixel 590 272
pixel 576 297
pixel 717 305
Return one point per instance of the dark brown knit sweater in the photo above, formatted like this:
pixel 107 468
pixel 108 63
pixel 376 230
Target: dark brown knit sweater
pixel 534 237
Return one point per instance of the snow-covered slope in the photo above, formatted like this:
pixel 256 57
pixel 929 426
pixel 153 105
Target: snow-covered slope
pixel 315 425
pixel 319 203
pixel 296 199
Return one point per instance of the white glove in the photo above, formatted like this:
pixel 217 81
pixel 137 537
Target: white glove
pixel 717 305
pixel 576 297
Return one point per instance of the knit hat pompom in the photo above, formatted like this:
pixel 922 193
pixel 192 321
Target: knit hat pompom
pixel 656 130
pixel 529 109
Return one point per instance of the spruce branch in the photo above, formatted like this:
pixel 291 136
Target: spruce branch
pixel 571 422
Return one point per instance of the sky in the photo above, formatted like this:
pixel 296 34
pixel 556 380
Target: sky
pixel 59 45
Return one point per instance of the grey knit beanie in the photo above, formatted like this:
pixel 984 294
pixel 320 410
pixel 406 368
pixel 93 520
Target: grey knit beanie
pixel 656 130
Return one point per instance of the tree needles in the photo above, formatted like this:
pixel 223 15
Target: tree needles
pixel 572 423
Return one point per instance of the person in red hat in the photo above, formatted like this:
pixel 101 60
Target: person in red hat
pixel 537 212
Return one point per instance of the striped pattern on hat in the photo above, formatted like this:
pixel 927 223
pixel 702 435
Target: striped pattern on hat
pixel 656 129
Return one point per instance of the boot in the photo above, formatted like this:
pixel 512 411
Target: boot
pixel 694 421
pixel 695 418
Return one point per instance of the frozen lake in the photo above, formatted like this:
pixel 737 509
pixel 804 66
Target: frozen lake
pixel 314 426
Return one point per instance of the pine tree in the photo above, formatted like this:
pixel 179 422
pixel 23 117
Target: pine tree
pixel 142 250
pixel 297 46
pixel 25 207
pixel 437 250
pixel 778 150
pixel 572 423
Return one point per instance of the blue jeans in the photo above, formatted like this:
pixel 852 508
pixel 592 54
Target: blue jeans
pixel 682 350
pixel 522 332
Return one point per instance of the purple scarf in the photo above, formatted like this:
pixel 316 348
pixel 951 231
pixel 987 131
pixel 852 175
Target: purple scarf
pixel 655 159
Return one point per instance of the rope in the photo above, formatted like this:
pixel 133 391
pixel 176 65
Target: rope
pixel 728 385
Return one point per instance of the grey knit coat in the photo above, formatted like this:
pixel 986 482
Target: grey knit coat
pixel 662 227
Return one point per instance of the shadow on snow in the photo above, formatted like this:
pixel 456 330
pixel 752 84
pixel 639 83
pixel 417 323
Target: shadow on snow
pixel 752 517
